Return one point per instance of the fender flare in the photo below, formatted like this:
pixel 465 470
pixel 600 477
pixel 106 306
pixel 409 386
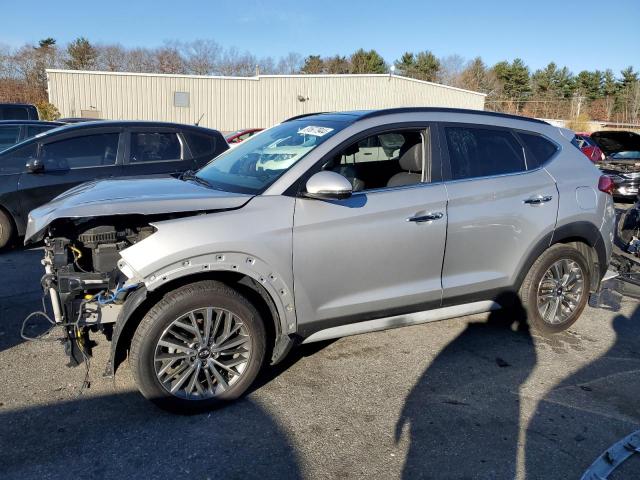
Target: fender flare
pixel 250 266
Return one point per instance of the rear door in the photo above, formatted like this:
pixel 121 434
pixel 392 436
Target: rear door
pixel 69 161
pixel 155 151
pixel 500 204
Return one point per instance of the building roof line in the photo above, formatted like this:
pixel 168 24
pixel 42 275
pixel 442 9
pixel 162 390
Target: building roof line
pixel 258 77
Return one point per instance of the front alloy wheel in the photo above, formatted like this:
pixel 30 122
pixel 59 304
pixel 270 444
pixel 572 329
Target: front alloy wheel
pixel 203 353
pixel 201 345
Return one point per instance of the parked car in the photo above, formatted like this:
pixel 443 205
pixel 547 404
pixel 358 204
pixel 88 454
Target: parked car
pixel 37 170
pixel 240 136
pixel 202 279
pixel 584 142
pixel 622 161
pixel 18 111
pixel 16 131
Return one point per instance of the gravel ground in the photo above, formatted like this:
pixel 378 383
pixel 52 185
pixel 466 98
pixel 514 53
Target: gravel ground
pixel 463 398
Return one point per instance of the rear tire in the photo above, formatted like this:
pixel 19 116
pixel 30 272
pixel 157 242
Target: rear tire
pixel 556 289
pixel 185 372
pixel 6 230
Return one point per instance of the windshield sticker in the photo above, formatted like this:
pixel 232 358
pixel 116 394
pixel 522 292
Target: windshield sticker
pixel 317 131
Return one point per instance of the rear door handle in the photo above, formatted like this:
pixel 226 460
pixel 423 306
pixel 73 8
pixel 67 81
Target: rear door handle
pixel 426 218
pixel 538 199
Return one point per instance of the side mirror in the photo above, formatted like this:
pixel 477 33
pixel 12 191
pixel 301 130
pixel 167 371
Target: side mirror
pixel 35 166
pixel 328 185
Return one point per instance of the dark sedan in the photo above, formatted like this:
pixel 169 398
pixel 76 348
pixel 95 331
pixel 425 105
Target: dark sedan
pixel 16 131
pixel 37 170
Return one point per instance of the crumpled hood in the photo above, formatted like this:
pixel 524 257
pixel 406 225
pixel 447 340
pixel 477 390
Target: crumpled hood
pixel 144 196
pixel 611 142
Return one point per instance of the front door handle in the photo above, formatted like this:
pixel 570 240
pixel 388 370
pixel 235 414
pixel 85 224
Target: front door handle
pixel 538 199
pixel 426 218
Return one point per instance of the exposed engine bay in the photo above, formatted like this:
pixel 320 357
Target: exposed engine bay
pixel 83 281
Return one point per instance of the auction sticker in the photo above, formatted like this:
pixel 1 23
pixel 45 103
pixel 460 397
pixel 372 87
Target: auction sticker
pixel 316 131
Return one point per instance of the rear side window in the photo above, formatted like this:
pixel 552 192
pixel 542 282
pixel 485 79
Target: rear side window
pixel 81 152
pixel 482 152
pixel 201 145
pixel 9 135
pixel 539 149
pixel 10 112
pixel 154 147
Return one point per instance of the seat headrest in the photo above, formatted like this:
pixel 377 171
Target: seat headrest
pixel 411 157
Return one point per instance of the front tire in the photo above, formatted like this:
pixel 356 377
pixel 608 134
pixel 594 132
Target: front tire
pixel 556 289
pixel 6 230
pixel 199 347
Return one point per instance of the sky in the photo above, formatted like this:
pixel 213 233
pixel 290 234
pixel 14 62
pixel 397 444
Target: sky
pixel 583 35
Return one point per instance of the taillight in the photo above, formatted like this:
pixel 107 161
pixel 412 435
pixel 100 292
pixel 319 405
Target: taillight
pixel 606 185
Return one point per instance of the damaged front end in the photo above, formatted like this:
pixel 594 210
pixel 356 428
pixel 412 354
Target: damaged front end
pixel 86 288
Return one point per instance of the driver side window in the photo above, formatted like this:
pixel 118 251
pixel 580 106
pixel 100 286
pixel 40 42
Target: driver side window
pixel 384 160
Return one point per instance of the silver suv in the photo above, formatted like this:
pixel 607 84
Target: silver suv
pixel 324 226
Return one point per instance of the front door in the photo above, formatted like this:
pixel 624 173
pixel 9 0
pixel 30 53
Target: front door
pixel 67 163
pixel 377 253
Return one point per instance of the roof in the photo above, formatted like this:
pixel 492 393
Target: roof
pixel 129 123
pixel 17 104
pixel 362 114
pixel 30 122
pixel 259 77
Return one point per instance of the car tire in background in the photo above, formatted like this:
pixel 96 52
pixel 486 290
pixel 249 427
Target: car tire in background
pixel 6 230
pixel 556 289
pixel 183 370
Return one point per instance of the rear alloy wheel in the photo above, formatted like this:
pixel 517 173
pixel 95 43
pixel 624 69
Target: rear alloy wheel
pixel 201 345
pixel 6 230
pixel 556 289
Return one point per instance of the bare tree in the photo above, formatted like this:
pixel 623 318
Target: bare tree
pixel 451 68
pixel 234 63
pixel 112 58
pixel 169 60
pixel 140 60
pixel 290 64
pixel 201 56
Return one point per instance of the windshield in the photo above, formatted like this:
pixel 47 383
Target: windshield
pixel 259 161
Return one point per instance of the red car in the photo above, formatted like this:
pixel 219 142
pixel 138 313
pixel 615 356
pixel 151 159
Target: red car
pixel 584 142
pixel 241 135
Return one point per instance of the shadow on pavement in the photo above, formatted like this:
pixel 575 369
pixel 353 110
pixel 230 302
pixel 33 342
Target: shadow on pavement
pixel 590 410
pixel 20 292
pixel 125 436
pixel 463 414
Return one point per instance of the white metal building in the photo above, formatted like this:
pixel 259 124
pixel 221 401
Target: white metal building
pixel 231 103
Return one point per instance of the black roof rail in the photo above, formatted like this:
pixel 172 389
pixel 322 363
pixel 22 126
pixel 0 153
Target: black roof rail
pixel 389 111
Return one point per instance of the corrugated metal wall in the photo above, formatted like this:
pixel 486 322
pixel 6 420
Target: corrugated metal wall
pixel 230 103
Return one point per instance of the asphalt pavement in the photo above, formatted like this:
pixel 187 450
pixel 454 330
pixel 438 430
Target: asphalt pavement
pixel 464 398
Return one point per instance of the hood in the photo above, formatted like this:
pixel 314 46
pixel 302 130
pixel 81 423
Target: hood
pixel 611 142
pixel 144 196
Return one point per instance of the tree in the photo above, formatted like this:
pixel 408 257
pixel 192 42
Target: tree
pixel 423 66
pixel 81 55
pixel 337 65
pixel 112 58
pixel 169 60
pixel 201 57
pixel 450 71
pixel 589 84
pixel 290 64
pixel 313 65
pixel 367 62
pixel 476 77
pixel 515 82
